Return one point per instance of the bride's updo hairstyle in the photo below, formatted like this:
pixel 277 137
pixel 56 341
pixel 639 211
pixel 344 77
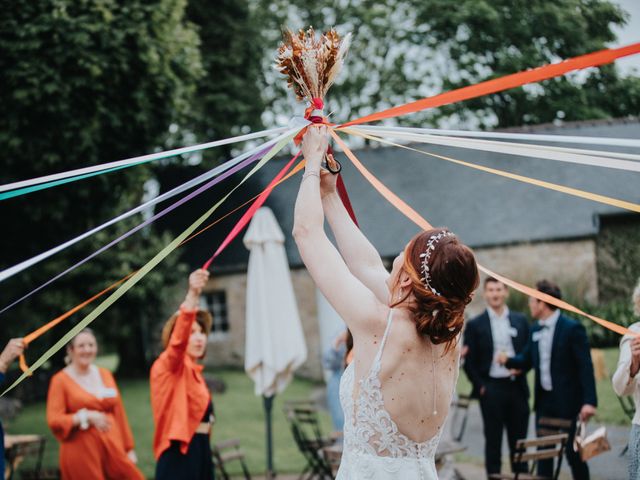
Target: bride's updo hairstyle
pixel 444 275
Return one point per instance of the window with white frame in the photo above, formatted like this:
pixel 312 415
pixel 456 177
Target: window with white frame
pixel 216 302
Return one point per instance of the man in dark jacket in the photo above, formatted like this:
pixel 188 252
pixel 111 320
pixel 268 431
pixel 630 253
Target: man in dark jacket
pixel 565 387
pixel 503 393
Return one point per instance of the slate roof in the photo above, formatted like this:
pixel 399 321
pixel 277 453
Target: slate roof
pixel 483 209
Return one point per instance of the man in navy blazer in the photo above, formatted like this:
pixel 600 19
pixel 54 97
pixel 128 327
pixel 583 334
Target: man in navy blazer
pixel 503 393
pixel 559 352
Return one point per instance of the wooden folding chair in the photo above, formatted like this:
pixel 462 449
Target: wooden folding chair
pixel 551 426
pixel 226 452
pixel 459 415
pixel 550 447
pixel 27 450
pixel 333 456
pixel 305 428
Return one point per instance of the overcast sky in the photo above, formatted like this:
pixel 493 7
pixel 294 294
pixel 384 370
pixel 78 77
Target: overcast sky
pixel 629 34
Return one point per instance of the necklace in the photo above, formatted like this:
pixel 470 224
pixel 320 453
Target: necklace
pixel 435 382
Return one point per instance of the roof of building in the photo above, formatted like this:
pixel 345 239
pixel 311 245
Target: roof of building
pixel 483 209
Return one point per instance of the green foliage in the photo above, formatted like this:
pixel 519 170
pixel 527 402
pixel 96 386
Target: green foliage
pixel 407 49
pixel 86 82
pixel 488 39
pixel 619 312
pixel 618 248
pixel 228 98
pixel 616 311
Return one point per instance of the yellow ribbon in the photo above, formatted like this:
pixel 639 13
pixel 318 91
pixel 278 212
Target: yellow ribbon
pixel 634 207
pixel 414 216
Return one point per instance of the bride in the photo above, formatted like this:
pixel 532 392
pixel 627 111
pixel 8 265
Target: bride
pixel 406 325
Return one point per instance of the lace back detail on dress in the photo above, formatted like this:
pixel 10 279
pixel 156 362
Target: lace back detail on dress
pixel 368 427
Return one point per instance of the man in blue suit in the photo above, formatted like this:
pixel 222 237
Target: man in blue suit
pixel 14 349
pixel 559 352
pixel 503 393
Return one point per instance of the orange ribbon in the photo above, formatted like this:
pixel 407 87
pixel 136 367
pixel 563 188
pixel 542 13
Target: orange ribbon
pixel 416 218
pixel 504 83
pixel 49 325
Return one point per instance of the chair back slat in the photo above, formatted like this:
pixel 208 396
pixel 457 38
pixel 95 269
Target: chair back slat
pixel 549 447
pixel 541 455
pixel 558 423
pixel 228 451
pixel 542 441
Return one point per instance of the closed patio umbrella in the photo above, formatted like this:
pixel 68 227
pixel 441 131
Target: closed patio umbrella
pixel 274 342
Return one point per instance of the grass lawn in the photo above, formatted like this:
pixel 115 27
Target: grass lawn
pixel 239 414
pixel 609 409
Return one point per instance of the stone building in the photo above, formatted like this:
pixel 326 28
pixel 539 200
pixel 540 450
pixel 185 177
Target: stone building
pixel 518 230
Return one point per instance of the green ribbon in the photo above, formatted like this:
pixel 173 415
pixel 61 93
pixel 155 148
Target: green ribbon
pixel 143 271
pixel 53 183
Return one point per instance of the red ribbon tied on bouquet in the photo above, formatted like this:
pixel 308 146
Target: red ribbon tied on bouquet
pixel 316 105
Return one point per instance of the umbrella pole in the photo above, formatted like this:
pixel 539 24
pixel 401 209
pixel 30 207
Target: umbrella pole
pixel 267 403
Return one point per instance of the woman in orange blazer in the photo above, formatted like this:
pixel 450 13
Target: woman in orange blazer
pixel 86 415
pixel 180 399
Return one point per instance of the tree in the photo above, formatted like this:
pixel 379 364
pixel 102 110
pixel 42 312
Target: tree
pixel 85 82
pixel 488 39
pixel 408 49
pixel 228 98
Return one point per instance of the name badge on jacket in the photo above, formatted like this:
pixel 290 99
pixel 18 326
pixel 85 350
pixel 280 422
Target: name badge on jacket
pixel 109 393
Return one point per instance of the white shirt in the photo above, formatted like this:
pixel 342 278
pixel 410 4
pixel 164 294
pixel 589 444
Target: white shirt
pixel 545 343
pixel 623 383
pixel 502 333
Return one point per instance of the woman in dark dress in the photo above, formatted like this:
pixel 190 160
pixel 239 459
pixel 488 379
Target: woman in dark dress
pixel 180 399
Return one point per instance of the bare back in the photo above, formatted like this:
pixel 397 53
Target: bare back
pixel 413 373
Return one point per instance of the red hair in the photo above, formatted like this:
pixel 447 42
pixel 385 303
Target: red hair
pixel 453 273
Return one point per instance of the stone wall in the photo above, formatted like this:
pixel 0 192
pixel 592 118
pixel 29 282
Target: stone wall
pixel 572 264
pixel 228 350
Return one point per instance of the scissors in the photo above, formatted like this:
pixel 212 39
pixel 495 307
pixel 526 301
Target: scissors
pixel 330 163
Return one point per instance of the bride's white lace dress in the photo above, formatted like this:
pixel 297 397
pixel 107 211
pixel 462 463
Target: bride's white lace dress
pixel 373 446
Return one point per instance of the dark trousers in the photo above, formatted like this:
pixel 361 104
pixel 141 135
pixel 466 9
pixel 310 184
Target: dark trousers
pixel 196 464
pixel 548 406
pixel 503 405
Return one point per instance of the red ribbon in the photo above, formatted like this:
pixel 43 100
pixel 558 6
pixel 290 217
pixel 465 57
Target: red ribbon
pixel 248 215
pixel 316 104
pixel 344 196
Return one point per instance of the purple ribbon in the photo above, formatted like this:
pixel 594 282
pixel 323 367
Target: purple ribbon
pixel 211 183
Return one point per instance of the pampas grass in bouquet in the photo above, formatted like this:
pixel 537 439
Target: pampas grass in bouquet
pixel 311 64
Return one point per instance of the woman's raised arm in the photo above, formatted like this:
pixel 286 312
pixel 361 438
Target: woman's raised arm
pixel 361 257
pixel 353 301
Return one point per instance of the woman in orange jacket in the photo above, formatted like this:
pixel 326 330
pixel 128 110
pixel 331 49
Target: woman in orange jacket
pixel 180 399
pixel 86 415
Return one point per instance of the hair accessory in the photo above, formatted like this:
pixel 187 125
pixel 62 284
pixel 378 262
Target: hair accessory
pixel 431 246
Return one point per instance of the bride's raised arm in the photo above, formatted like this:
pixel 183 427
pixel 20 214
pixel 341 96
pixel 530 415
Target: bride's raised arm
pixel 351 299
pixel 360 255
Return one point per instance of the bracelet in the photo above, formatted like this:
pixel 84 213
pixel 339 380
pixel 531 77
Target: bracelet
pixel 310 174
pixel 83 418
